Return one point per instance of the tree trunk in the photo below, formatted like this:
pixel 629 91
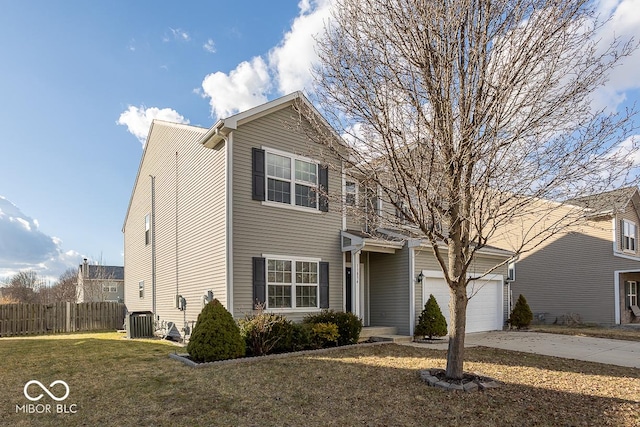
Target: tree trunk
pixel 458 319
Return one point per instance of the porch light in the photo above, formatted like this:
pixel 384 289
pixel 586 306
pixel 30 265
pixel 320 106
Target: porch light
pixel 420 277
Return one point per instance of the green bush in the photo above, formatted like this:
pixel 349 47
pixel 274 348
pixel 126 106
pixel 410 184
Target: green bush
pixel 267 333
pixel 431 321
pixel 324 334
pixel 301 336
pixel 521 316
pixel 216 335
pixel 349 325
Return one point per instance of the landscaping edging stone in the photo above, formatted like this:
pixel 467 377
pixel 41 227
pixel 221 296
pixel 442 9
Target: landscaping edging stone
pixel 434 378
pixel 184 358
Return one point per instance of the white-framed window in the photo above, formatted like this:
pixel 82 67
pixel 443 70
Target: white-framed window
pixel 291 180
pixel 147 229
pixel 628 236
pixel 632 293
pixel 292 283
pixel 110 287
pixel 511 271
pixel 350 193
pixel 141 289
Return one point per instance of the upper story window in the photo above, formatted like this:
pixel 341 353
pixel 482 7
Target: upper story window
pixel 141 289
pixel 147 229
pixel 628 236
pixel 350 193
pixel 289 179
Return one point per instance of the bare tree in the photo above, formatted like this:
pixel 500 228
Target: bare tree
pixel 23 287
pixel 64 290
pixel 465 113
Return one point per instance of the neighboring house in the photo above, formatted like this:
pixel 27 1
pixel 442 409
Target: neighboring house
pixel 240 212
pixel 100 283
pixel 592 270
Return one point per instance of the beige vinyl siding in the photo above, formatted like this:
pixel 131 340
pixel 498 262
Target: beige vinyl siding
pixel 573 273
pixel 631 215
pixel 389 290
pixel 199 243
pixel 425 260
pixel 275 230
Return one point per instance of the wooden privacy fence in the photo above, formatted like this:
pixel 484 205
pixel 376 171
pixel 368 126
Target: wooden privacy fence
pixel 60 317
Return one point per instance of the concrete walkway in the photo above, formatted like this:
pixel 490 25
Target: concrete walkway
pixel 600 350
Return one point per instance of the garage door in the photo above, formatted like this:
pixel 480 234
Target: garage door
pixel 484 311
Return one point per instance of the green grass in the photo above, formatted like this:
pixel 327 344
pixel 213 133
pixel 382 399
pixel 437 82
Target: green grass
pixel 114 381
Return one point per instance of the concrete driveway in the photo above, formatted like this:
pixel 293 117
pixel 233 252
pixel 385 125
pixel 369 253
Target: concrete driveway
pixel 600 350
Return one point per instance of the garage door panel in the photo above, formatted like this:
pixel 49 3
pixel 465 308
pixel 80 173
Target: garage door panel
pixel 484 311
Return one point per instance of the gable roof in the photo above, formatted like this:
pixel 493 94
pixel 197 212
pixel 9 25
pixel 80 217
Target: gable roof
pixel 223 127
pixel 609 202
pixel 155 124
pixel 109 272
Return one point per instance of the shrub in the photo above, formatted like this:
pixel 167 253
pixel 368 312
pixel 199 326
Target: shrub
pixel 349 325
pixel 266 333
pixel 521 316
pixel 431 321
pixel 216 335
pixel 301 339
pixel 324 334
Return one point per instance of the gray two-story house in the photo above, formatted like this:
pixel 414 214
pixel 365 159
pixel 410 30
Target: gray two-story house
pixel 253 212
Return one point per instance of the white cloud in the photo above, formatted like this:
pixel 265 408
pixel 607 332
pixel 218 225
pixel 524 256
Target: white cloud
pixel 24 247
pixel 177 34
pixel 138 119
pixel 287 68
pixel 293 57
pixel 209 46
pixel 244 87
pixel 625 24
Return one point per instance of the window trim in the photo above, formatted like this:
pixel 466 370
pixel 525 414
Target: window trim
pixel 292 180
pixel 147 229
pixel 629 243
pixel 354 193
pixel 632 293
pixel 294 284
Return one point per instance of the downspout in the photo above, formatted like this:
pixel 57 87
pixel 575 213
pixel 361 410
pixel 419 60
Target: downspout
pixel 228 142
pixel 153 246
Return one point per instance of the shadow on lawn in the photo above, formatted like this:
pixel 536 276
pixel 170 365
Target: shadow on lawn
pixel 496 356
pixel 375 385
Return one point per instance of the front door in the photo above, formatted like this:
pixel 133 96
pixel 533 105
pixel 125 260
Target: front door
pixel 347 282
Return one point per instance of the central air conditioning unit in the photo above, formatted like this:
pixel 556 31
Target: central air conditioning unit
pixel 139 324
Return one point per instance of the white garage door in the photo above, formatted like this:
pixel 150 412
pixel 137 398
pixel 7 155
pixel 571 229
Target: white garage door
pixel 484 311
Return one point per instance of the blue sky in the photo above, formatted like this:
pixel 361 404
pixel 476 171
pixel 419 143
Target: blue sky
pixel 80 82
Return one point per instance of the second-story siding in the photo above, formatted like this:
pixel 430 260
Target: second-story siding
pixel 260 229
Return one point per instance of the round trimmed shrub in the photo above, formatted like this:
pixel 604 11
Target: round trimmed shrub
pixel 267 333
pixel 216 335
pixel 431 322
pixel 349 325
pixel 521 316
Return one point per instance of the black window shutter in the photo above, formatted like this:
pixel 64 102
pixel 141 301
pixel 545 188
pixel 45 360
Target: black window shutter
pixel 258 174
pixel 259 281
pixel 621 234
pixel 323 182
pixel 324 285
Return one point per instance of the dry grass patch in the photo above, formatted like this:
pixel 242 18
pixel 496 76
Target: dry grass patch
pixel 616 333
pixel 121 382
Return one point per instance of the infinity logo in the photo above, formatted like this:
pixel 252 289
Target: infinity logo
pixel 51 395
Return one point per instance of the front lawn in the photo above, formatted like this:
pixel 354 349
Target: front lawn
pixel 114 381
pixel 616 333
